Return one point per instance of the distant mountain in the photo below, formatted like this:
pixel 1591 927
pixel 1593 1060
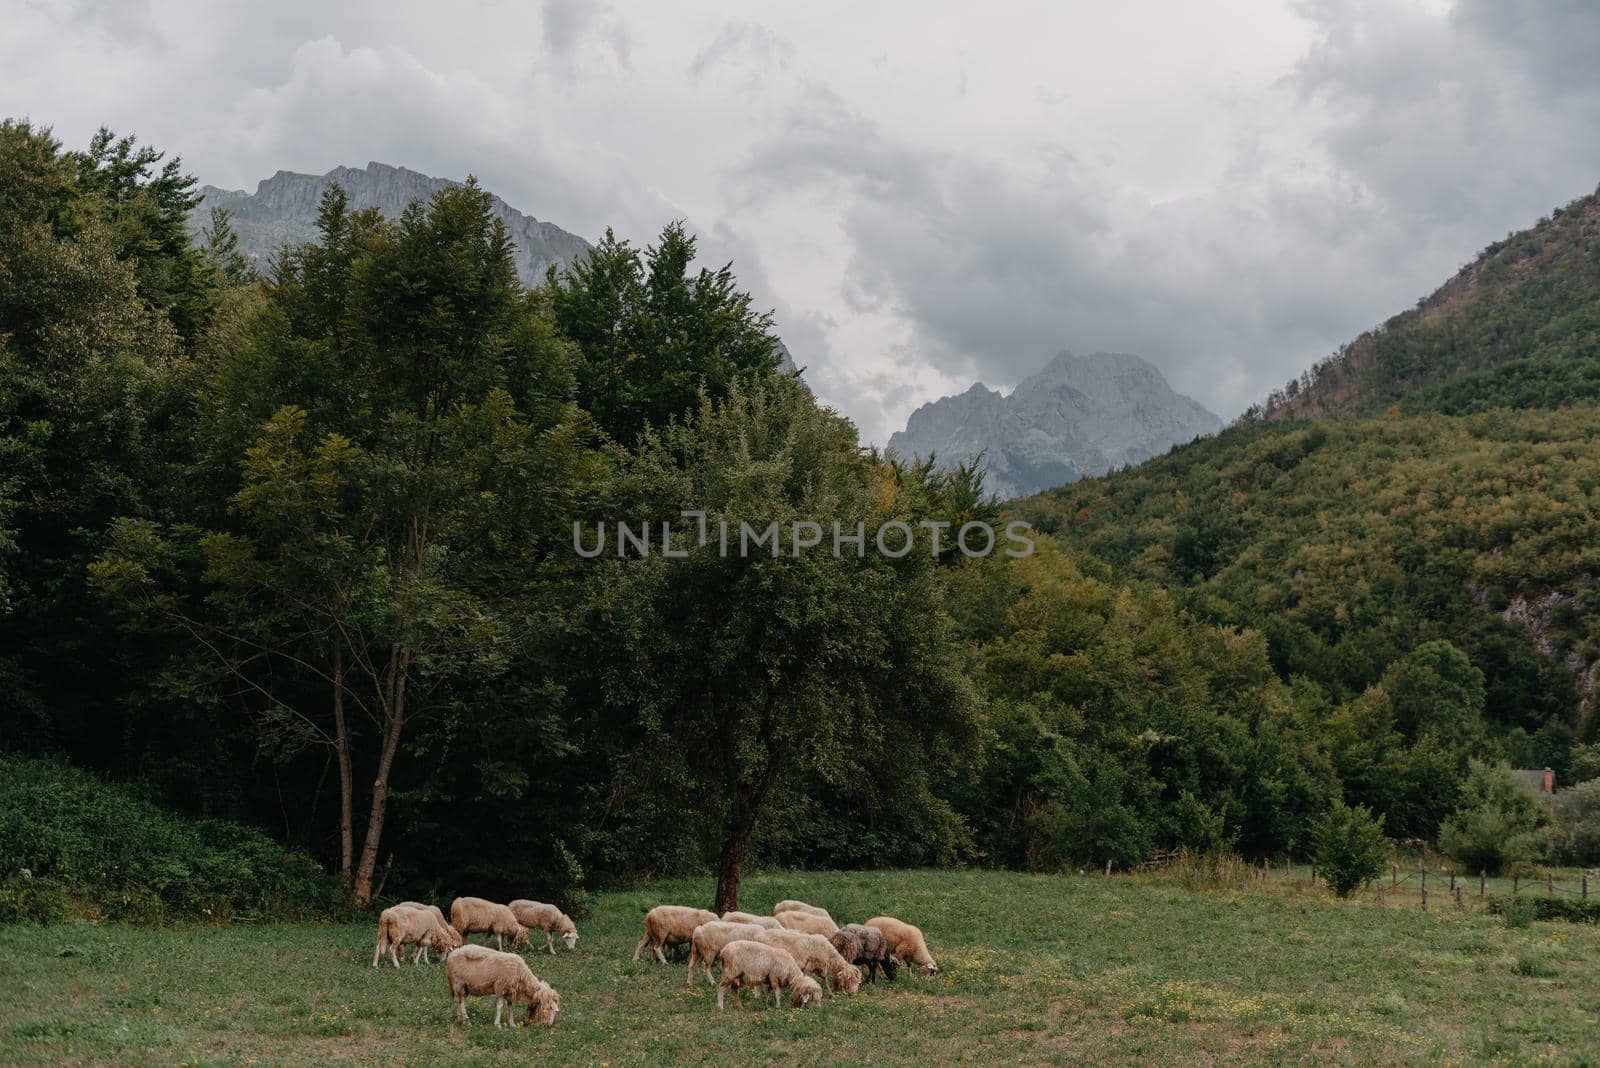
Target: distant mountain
pixel 1519 327
pixel 1079 416
pixel 283 210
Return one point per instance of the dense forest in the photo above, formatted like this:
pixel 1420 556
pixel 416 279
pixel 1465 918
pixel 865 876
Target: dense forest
pixel 290 555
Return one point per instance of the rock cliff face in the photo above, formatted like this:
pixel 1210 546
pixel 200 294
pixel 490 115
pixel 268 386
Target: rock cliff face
pixel 1079 416
pixel 283 210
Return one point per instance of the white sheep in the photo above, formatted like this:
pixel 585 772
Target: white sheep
pixel 769 922
pixel 817 956
pixel 754 964
pixel 708 940
pixel 469 915
pixel 537 916
pixel 422 950
pixel 481 971
pixel 666 926
pixel 399 926
pixel 905 942
pixel 799 906
pixel 809 922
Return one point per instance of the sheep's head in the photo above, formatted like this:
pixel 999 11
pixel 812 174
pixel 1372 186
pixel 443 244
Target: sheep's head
pixel 571 939
pixel 450 937
pixel 543 1004
pixel 806 991
pixel 520 938
pixel 848 943
pixel 569 931
pixel 848 979
pixel 929 968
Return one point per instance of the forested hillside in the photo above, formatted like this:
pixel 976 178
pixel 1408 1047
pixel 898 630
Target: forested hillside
pixel 1518 327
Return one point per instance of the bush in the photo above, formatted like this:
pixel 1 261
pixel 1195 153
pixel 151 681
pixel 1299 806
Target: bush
pixel 78 836
pixel 1350 847
pixel 1577 823
pixel 1212 869
pixel 1500 823
pixel 1520 911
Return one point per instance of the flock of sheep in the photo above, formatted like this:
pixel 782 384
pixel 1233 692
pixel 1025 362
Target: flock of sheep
pixel 780 952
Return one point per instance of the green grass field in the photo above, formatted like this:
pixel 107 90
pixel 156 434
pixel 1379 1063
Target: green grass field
pixel 1037 969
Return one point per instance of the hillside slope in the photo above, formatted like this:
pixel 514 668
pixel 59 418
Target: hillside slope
pixel 1351 542
pixel 1519 327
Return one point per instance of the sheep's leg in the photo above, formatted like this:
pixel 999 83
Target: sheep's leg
pixel 499 943
pixel 377 953
pixel 660 956
pixel 638 949
pixel 499 1003
pixel 394 954
pixel 719 998
pixel 777 995
pixel 550 943
pixel 693 961
pixel 461 1008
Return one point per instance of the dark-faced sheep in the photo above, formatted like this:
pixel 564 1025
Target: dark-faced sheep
pixel 866 948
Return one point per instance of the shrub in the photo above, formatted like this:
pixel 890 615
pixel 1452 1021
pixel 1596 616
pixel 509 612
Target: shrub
pixel 1499 823
pixel 81 837
pixel 1350 847
pixel 1577 823
pixel 1520 911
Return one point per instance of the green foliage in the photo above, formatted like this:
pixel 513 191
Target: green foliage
pixel 654 334
pixel 1519 911
pixel 1349 847
pixel 1584 764
pixel 1500 822
pixel 1577 823
pixel 79 836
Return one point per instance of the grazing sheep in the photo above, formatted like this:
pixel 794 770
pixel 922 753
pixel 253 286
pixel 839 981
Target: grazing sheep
pixel 481 971
pixel 753 964
pixel 816 956
pixel 469 915
pixel 799 906
pixel 422 951
pixel 905 942
pixel 809 922
pixel 666 926
pixel 865 946
pixel 769 922
pixel 410 927
pixel 537 916
pixel 708 940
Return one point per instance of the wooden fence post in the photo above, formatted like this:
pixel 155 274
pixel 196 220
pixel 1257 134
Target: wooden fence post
pixel 1586 886
pixel 1459 906
pixel 1394 875
pixel 1482 876
pixel 1380 891
pixel 1516 885
pixel 1452 880
pixel 1108 869
pixel 1424 889
pixel 1549 885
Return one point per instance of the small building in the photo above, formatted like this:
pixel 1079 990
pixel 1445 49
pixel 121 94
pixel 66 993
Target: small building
pixel 1540 781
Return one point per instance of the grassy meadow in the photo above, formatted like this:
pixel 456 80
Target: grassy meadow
pixel 1036 969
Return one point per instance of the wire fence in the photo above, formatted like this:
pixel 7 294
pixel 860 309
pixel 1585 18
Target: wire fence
pixel 1431 886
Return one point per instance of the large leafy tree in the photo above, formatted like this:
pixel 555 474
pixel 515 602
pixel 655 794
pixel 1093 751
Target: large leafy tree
pixel 413 458
pixel 653 332
pixel 739 673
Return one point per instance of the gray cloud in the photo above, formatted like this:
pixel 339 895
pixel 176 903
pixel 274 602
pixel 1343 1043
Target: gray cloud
pixel 925 198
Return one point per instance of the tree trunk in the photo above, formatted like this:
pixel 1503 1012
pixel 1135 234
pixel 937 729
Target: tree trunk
pixel 341 741
pixel 730 870
pixel 394 722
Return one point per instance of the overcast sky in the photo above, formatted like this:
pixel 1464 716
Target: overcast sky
pixel 924 196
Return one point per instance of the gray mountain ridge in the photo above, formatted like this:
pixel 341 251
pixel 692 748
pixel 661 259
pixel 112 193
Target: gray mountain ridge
pixel 1077 417
pixel 283 210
